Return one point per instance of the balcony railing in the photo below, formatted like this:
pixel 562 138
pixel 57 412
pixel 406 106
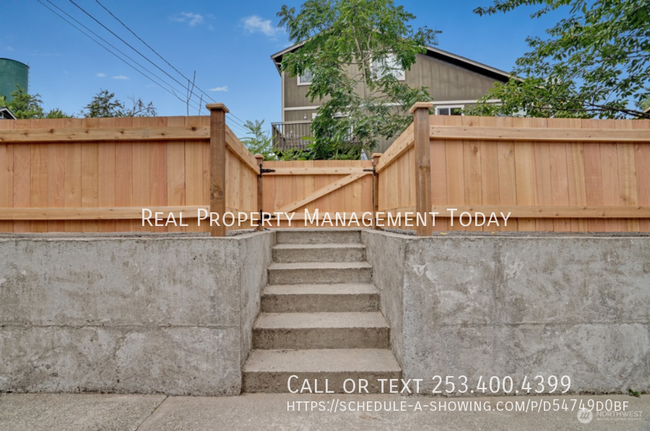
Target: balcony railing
pixel 289 135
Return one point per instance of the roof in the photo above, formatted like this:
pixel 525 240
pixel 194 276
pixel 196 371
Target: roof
pixel 431 52
pixel 5 113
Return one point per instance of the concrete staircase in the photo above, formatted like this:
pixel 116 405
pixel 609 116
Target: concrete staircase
pixel 320 317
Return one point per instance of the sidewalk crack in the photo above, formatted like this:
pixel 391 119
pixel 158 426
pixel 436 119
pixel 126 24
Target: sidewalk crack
pixel 152 412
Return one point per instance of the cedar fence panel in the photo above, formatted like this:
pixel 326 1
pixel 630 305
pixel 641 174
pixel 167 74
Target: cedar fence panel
pixel 96 175
pixel 555 175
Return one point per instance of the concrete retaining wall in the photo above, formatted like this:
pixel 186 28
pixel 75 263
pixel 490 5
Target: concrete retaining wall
pixel 518 306
pixel 132 315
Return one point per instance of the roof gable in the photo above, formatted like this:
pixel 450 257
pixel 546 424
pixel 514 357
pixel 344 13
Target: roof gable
pixel 6 114
pixel 431 52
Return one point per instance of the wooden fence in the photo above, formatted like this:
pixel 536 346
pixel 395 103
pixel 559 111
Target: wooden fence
pixel 96 175
pixel 558 175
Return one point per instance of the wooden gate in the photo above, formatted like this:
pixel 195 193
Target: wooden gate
pixel 329 186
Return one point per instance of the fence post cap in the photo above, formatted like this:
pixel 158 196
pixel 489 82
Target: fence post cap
pixel 375 155
pixel 217 107
pixel 259 156
pixel 421 105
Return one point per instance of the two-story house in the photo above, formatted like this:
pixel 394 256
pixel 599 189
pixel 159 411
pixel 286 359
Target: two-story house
pixel 454 82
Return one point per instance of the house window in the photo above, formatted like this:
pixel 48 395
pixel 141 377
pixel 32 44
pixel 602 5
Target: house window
pixel 387 66
pixel 305 78
pixel 450 110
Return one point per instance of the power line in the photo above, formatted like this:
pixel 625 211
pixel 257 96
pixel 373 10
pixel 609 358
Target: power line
pixel 98 43
pixel 113 53
pixel 242 121
pixel 153 50
pixel 235 121
pixel 126 43
pixel 234 125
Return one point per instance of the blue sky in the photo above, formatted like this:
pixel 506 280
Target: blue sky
pixel 227 43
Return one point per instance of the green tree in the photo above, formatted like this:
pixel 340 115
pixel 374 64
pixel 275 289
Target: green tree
pixel 355 49
pixel 644 105
pixel 104 104
pixel 596 62
pixel 140 108
pixel 257 141
pixel 57 113
pixel 28 106
pixel 25 106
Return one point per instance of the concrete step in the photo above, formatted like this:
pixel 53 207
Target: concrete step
pixel 269 370
pixel 318 236
pixel 288 253
pixel 320 272
pixel 304 298
pixel 274 331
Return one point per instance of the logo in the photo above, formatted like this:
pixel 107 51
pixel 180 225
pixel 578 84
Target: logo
pixel 585 416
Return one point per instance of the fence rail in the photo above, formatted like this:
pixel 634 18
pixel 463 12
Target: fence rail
pixel 559 175
pixel 96 175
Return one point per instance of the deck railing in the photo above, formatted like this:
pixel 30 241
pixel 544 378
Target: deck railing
pixel 293 135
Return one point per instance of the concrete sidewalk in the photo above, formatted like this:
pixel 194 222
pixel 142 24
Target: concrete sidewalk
pixel 71 412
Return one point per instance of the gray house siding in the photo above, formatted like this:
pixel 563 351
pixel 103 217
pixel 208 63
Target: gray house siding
pixel 451 80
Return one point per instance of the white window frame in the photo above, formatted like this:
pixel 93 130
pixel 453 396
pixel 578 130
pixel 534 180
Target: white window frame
pixel 450 107
pixel 397 69
pixel 300 84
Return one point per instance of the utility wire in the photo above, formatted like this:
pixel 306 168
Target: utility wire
pixel 235 121
pixel 235 126
pixel 242 121
pixel 127 44
pixel 159 55
pixel 153 50
pixel 113 53
pixel 241 129
pixel 112 46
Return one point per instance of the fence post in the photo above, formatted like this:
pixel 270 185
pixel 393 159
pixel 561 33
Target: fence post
pixel 260 192
pixel 218 113
pixel 421 128
pixel 375 189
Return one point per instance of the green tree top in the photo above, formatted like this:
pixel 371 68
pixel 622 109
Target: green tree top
pixel 26 106
pixel 596 62
pixel 105 104
pixel 257 141
pixel 354 49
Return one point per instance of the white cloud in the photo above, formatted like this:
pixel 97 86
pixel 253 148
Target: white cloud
pixel 255 24
pixel 192 19
pixel 224 88
pixel 9 48
pixel 122 77
pixel 100 75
